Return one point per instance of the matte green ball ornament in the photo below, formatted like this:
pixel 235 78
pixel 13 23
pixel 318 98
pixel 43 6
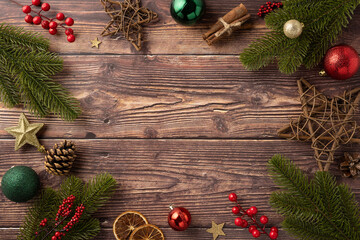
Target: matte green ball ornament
pixel 20 184
pixel 187 12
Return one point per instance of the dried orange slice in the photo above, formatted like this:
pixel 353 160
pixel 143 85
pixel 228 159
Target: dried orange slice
pixel 147 232
pixel 126 223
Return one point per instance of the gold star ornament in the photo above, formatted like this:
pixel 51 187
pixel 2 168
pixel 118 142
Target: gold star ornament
pixel 95 43
pixel 216 230
pixel 25 132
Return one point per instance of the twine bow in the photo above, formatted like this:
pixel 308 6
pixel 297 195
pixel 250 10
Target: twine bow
pixel 228 27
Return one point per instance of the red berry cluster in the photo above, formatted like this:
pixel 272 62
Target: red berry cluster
pixel 65 207
pixel 49 23
pixel 255 229
pixel 268 7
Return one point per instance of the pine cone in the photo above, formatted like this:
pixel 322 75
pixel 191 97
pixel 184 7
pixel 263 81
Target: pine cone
pixel 60 159
pixel 350 167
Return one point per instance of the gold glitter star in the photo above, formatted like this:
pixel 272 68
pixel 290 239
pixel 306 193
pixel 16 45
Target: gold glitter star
pixel 216 230
pixel 25 133
pixel 95 43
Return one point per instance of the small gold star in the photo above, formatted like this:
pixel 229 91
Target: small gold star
pixel 95 43
pixel 216 230
pixel 25 133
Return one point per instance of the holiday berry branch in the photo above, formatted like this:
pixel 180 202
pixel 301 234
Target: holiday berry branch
pixel 255 228
pixel 47 23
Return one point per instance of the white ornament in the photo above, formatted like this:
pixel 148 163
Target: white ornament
pixel 293 28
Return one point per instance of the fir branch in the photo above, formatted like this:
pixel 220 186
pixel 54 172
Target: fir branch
pixel 27 66
pixel 323 20
pixel 316 209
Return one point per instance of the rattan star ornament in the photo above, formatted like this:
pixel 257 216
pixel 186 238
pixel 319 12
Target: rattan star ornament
pixel 325 122
pixel 127 17
pixel 216 230
pixel 25 133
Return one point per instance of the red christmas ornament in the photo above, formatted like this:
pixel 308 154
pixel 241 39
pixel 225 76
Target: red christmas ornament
pixel 179 218
pixel 341 62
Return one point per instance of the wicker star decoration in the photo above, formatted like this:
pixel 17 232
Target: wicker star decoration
pixel 127 17
pixel 326 122
pixel 216 230
pixel 25 133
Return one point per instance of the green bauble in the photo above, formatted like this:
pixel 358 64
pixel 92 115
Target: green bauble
pixel 187 12
pixel 20 184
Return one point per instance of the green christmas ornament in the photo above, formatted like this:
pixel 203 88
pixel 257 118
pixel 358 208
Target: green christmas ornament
pixel 20 184
pixel 187 12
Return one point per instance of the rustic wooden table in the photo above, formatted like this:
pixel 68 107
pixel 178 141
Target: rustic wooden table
pixel 177 123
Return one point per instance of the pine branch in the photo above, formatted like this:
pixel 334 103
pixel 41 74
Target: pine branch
pixel 323 20
pixel 26 67
pixel 316 209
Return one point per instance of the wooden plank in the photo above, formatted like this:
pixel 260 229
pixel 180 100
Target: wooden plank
pixel 189 234
pixel 175 97
pixel 151 174
pixel 163 37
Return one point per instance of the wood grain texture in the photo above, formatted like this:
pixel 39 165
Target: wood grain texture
pixel 163 37
pixel 136 96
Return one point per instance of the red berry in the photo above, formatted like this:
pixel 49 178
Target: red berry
pixel 60 16
pixel 53 24
pixel 256 233
pixel 274 229
pixel 35 2
pixel 45 24
pixel 238 222
pixel 53 238
pixel 244 224
pixel 264 219
pixel 273 235
pixel 45 6
pixel 52 31
pixel 69 21
pixel 71 38
pixel 248 212
pixel 37 20
pixel 57 234
pixel 253 210
pixel 252 228
pixel 232 197
pixel 26 9
pixel 235 210
pixel 28 19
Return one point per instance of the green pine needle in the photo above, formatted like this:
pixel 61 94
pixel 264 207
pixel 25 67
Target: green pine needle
pixel 313 209
pixel 323 21
pixel 92 195
pixel 25 69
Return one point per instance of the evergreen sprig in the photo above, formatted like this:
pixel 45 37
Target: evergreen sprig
pixel 25 69
pixel 92 195
pixel 323 21
pixel 313 209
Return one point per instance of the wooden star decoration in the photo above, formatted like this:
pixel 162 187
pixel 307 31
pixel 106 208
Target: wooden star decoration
pixel 95 43
pixel 25 132
pixel 216 230
pixel 326 122
pixel 127 17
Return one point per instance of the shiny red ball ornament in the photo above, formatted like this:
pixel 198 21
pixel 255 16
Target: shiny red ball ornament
pixel 235 210
pixel 341 62
pixel 26 9
pixel 71 38
pixel 36 2
pixel 37 20
pixel 238 222
pixel 232 197
pixel 28 19
pixel 179 219
pixel 273 235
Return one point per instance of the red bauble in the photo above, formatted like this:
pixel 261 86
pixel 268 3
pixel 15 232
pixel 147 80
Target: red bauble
pixel 179 219
pixel 341 62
